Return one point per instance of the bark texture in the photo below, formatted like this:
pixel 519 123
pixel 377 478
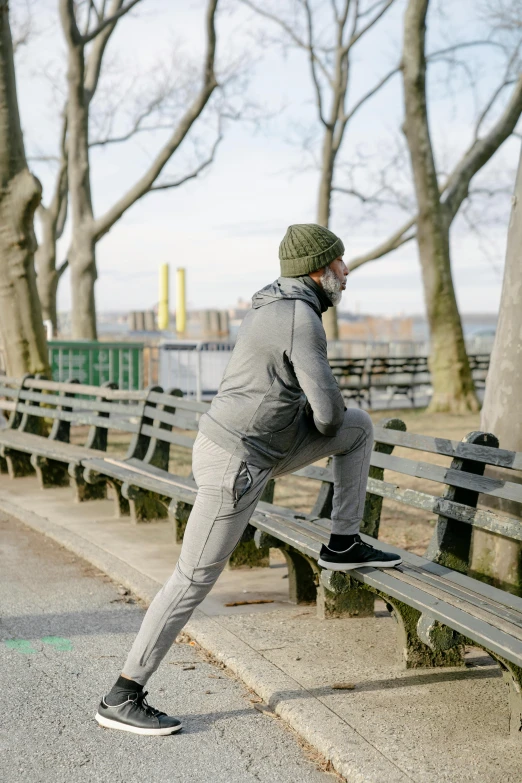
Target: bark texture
pixel 453 388
pixel 52 220
pixel 498 558
pixel 21 323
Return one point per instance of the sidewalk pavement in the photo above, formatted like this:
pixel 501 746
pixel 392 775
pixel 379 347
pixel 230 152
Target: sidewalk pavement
pixel 421 725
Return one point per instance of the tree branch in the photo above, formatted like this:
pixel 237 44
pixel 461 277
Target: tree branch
pixel 396 240
pixel 110 20
pixel 61 269
pixel 312 58
pixel 195 173
pixel 364 29
pixel 58 205
pixel 355 108
pixel 94 61
pixel 481 151
pixel 144 184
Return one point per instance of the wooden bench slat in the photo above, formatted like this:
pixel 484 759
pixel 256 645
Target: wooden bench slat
pixel 94 391
pixel 168 437
pixel 455 478
pixel 181 402
pixel 180 418
pixel 481 518
pixel 120 423
pixel 313 472
pixel 153 479
pixel 79 404
pixel 44 447
pixel 471 605
pixel 467 593
pixel 449 448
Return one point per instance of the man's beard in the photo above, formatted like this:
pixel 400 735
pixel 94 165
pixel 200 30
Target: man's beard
pixel 332 286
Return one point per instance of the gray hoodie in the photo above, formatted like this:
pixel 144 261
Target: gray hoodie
pixel 278 363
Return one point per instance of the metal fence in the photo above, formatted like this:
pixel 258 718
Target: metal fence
pixel 94 363
pixel 195 367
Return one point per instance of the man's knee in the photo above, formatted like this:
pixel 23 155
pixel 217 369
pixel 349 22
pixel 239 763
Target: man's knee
pixel 202 576
pixel 356 417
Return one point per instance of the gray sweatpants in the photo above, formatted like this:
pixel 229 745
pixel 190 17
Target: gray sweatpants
pixel 228 491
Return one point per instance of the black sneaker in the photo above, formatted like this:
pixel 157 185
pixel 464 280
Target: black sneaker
pixel 137 716
pixel 357 555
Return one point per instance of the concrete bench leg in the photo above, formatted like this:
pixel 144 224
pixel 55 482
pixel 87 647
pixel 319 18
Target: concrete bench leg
pixel 50 472
pixel 18 463
pixel 422 642
pixel 302 581
pixel 339 596
pixel 83 491
pixel 144 506
pixel 121 503
pixel 179 513
pixel 513 679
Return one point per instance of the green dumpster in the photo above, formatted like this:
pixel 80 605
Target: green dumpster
pixel 95 363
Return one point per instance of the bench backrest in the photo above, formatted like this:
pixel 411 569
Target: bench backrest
pixel 33 402
pixel 462 485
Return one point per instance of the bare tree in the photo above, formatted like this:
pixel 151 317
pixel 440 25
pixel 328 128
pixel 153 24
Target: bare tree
pixel 440 196
pixel 453 387
pixel 327 33
pixel 21 324
pixel 497 557
pixel 98 23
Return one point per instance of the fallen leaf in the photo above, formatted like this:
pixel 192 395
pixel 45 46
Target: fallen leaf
pixel 244 603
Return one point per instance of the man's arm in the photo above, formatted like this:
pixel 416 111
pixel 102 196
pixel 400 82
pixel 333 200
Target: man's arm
pixel 310 363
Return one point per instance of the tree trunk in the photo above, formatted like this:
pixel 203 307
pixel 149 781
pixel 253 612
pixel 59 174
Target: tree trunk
pixel 82 259
pixel 323 218
pixel 21 324
pixel 83 277
pixel 47 274
pixel 453 388
pixel 498 558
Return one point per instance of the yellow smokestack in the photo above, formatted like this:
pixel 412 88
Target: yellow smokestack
pixel 181 307
pixel 163 306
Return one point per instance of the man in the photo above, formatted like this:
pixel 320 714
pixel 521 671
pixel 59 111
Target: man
pixel 278 409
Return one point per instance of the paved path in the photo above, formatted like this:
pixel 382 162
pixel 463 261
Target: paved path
pixel 64 631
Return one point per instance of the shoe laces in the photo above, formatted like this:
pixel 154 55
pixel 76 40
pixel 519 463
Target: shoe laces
pixel 364 543
pixel 142 704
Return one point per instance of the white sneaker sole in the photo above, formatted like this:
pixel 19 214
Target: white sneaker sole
pixel 107 723
pixel 352 566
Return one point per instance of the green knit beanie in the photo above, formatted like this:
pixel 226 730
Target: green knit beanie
pixel 307 247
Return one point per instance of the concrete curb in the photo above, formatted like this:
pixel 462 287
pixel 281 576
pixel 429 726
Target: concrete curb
pixel 350 754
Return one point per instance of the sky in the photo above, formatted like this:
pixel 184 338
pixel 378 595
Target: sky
pixel 225 226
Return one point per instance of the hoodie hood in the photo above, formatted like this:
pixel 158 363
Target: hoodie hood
pixel 293 288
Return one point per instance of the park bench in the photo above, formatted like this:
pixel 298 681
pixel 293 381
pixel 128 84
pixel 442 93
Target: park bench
pixel 438 606
pixel 361 378
pixel 30 444
pixel 352 378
